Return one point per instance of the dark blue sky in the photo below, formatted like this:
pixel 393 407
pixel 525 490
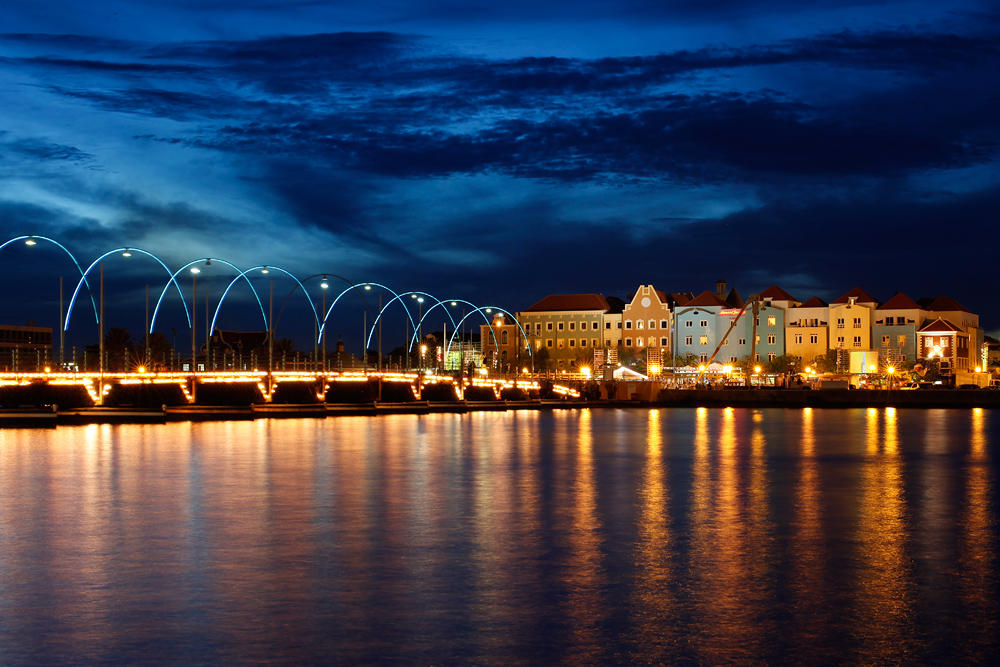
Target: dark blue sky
pixel 503 151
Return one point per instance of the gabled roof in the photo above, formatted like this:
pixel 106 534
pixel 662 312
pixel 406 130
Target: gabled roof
pixel 707 298
pixel 814 302
pixel 899 301
pixel 947 303
pixel 940 325
pixel 860 295
pixel 557 302
pixel 775 293
pixel 734 299
pixel 680 298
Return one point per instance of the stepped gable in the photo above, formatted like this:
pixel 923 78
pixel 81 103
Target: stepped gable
pixel 900 301
pixel 775 293
pixel 947 303
pixel 859 295
pixel 814 302
pixel 734 299
pixel 940 324
pixel 558 302
pixel 706 299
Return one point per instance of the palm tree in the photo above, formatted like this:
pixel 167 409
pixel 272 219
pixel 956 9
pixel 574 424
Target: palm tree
pixel 159 351
pixel 119 347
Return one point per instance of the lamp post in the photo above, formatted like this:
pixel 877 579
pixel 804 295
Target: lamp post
pixel 324 285
pixel 194 313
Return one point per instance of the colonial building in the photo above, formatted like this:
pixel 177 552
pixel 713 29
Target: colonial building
pixel 570 326
pixel 806 331
pixel 894 332
pixel 504 348
pixel 646 325
pixel 851 318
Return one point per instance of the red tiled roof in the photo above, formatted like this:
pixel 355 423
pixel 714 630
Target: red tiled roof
pixel 558 302
pixel 814 302
pixel 940 325
pixel 860 295
pixel 680 298
pixel 899 302
pixel 947 303
pixel 734 299
pixel 707 298
pixel 776 293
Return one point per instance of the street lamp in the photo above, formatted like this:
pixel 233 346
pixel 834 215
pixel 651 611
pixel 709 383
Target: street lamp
pixel 194 314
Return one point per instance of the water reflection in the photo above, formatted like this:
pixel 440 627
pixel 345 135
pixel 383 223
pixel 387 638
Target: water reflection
pixel 570 537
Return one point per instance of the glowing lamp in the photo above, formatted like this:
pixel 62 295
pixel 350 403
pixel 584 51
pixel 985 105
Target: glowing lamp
pixel 30 242
pixel 756 369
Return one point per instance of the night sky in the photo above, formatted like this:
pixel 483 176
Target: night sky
pixel 502 151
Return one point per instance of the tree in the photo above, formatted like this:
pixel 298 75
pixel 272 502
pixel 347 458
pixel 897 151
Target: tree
pixel 786 363
pixel 826 363
pixel 120 349
pixel 543 360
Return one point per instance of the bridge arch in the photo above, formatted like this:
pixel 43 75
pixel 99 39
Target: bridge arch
pixel 30 240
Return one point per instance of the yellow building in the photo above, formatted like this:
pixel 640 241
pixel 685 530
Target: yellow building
pixel 806 330
pixel 851 317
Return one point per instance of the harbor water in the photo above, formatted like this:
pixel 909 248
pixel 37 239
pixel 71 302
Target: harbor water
pixel 578 537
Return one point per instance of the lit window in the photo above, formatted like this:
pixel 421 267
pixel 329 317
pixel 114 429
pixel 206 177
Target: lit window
pixel 756 340
pixel 901 341
pixel 703 340
pixel 638 324
pixel 772 321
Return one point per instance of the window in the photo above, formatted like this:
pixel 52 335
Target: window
pixel 561 344
pixel 798 339
pixel 857 322
pixel 548 342
pixel 663 342
pixel 607 342
pixel 857 341
pixel 703 340
pixel 756 340
pixel 771 339
pixel 572 342
pixel 538 327
pixel 725 342
pixel 840 341
pixel 638 342
pixel 743 341
pixel 619 324
pixel 813 338
pixel 572 326
pixel 703 323
pixel 733 360
pixel 583 342
pixel 703 358
pixel 840 322
pixel 687 340
pixel 548 326
pixel 770 356
pixel 503 337
pixel 885 341
pixel 638 324
pixel 628 324
pixel 596 326
pixel 756 357
pixel 772 321
pixel 889 321
pixel 628 342
pixel 607 325
pixel 652 324
pixel 688 324
pixel 901 340
pixel 664 324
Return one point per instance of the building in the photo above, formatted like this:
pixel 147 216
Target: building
pixel 25 348
pixel 571 326
pixel 851 318
pixel 807 334
pixel 894 332
pixel 645 327
pixel 504 348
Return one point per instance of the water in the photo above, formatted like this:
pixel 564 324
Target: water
pixel 674 536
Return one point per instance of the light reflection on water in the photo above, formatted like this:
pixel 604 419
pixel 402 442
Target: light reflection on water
pixel 666 536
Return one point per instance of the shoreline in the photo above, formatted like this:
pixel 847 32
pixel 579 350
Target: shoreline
pixel 51 416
